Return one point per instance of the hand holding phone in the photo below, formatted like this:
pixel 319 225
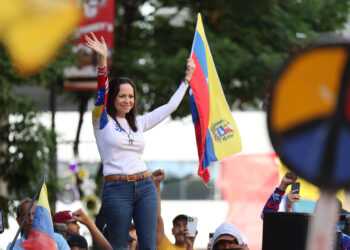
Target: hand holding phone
pixel 296 186
pixel 192 226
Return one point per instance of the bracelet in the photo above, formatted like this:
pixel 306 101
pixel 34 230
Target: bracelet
pixel 187 82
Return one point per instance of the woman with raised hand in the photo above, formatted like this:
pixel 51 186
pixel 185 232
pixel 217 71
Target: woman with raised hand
pixel 128 191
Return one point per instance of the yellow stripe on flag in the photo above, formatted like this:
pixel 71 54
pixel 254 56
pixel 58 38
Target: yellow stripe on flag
pixel 43 198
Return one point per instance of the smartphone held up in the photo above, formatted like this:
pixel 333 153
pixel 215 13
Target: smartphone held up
pixel 192 226
pixel 296 186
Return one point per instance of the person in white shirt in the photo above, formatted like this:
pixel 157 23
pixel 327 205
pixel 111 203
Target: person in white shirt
pixel 128 191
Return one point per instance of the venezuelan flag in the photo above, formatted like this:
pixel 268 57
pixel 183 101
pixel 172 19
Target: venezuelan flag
pixel 41 236
pixel 216 132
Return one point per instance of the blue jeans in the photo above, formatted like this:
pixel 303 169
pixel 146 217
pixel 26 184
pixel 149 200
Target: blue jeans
pixel 123 200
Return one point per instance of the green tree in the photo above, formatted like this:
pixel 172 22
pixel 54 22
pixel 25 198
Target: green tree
pixel 248 41
pixel 27 147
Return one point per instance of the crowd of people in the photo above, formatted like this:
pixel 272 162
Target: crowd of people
pixel 67 230
pixel 130 215
pixel 226 236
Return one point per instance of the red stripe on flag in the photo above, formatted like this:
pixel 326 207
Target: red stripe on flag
pixel 200 148
pixel 38 240
pixel 204 173
pixel 200 92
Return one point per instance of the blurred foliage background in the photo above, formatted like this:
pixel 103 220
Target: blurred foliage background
pixel 248 40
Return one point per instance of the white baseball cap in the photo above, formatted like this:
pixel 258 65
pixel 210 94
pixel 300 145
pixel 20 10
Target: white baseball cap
pixel 224 232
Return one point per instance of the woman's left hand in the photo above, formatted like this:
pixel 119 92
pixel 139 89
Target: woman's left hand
pixel 189 69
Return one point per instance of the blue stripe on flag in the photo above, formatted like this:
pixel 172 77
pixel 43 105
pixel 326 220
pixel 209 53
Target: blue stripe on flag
pixel 42 221
pixel 199 50
pixel 194 110
pixel 209 153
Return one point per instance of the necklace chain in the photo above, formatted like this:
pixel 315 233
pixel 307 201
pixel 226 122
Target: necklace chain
pixel 130 136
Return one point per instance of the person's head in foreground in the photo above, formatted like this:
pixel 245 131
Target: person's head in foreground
pixel 77 242
pixel 20 212
pixel 227 236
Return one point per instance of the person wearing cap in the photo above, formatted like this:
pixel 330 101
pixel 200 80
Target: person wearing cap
pixel 77 242
pixel 227 236
pixel 179 230
pixel 66 217
pixel 21 209
pixel 128 191
pixel 70 220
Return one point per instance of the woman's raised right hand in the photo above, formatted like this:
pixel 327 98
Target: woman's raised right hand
pixel 99 47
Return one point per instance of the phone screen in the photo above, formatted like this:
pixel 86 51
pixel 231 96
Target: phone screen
pixel 295 186
pixel 1 223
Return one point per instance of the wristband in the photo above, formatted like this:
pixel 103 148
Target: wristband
pixel 187 82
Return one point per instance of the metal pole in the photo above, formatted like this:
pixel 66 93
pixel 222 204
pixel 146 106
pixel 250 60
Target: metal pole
pixel 53 155
pixel 27 212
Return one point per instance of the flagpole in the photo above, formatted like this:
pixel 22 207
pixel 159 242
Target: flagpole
pixel 198 15
pixel 27 212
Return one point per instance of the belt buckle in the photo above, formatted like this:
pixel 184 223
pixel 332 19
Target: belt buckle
pixel 127 178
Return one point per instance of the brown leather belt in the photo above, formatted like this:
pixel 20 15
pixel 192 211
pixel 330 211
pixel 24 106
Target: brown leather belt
pixel 131 177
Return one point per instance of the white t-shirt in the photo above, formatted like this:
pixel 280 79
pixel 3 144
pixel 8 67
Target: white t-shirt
pixel 117 154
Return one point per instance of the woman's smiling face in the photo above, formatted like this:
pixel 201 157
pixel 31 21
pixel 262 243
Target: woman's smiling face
pixel 124 101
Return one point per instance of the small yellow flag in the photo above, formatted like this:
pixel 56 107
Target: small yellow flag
pixel 33 31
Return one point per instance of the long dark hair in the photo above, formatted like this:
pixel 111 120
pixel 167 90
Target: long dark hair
pixel 114 88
